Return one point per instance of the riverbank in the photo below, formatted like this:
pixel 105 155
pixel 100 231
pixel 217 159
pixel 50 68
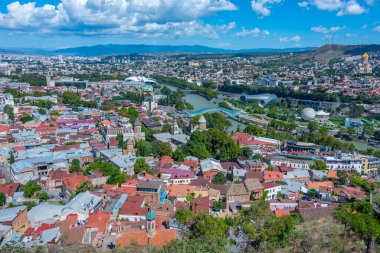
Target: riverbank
pixel 200 102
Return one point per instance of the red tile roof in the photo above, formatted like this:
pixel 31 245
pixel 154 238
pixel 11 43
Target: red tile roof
pixel 268 185
pixel 9 189
pixel 133 205
pixel 72 219
pixel 166 160
pixel 59 174
pixel 272 175
pixel 43 227
pixel 332 174
pixel 72 183
pixel 201 204
pixel 4 128
pixel 317 185
pixel 280 212
pixel 98 220
pixel 140 237
pixel 19 148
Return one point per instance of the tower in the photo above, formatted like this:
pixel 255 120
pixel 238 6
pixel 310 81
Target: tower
pixel 130 145
pixel 137 126
pixel 151 223
pixel 176 128
pixel 365 58
pixel 202 124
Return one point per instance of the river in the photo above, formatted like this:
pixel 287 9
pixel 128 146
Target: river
pixel 199 102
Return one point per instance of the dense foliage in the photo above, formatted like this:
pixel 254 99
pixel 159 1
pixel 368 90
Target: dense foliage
pixel 360 217
pixel 30 188
pixel 212 143
pixel 108 169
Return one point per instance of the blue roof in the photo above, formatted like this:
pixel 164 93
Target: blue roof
pixel 120 202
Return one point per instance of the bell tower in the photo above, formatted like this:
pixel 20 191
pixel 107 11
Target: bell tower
pixel 151 223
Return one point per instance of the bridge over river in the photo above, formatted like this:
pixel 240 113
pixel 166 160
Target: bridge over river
pixel 229 112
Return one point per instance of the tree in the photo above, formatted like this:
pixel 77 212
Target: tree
pixel 83 187
pixel 247 152
pixel 196 146
pixel 43 196
pixel 312 126
pixel 160 148
pixel 272 231
pixel 218 205
pixel 140 166
pixel 255 130
pixel 368 130
pixel 120 139
pixel 219 178
pixel 258 157
pixel 351 130
pixel 312 193
pixel 29 204
pixel 217 120
pixel 3 199
pixel 190 198
pixel 11 158
pixel 26 118
pixel 30 188
pixel 184 216
pixel 75 166
pixel 116 176
pixel 144 148
pixel 201 244
pixel 41 111
pixel 318 165
pixel 222 146
pixel 209 84
pixel 360 217
pixel 71 98
pixel 178 155
pixel 9 111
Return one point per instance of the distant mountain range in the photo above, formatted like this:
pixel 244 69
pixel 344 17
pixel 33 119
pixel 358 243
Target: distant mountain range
pixel 115 49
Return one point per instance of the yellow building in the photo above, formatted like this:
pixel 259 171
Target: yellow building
pixel 370 165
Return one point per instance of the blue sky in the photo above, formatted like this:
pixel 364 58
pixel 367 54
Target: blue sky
pixel 232 24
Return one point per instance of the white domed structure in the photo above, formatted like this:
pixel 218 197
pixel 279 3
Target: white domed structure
pixel 308 114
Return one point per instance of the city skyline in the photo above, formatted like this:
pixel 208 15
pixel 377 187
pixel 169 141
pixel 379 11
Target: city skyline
pixel 228 24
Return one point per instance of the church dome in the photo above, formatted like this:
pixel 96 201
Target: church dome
pixel 150 215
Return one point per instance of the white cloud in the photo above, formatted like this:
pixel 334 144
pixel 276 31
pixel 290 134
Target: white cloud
pixel 141 18
pixel 370 2
pixel 342 7
pixel 262 7
pixel 265 33
pixel 377 28
pixel 351 35
pixel 322 29
pixel 295 38
pixel 303 4
pixel 365 26
pixel 352 8
pixel 245 32
pixel 255 32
